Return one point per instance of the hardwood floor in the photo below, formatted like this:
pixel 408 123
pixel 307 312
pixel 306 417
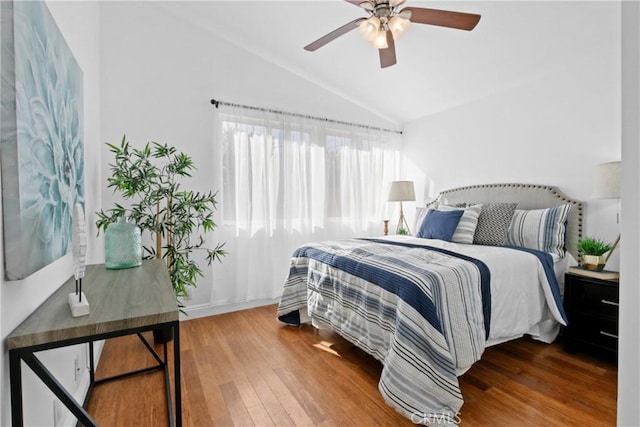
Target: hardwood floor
pixel 244 369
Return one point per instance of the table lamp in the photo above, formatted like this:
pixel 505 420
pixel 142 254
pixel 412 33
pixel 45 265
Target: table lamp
pixel 606 185
pixel 402 191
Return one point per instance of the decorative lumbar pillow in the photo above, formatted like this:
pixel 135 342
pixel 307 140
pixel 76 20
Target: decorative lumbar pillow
pixel 468 222
pixel 540 229
pixel 439 224
pixel 493 223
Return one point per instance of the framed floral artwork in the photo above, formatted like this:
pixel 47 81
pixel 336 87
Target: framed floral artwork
pixel 41 135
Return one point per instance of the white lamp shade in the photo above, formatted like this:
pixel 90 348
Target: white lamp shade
pixel 606 181
pixel 401 191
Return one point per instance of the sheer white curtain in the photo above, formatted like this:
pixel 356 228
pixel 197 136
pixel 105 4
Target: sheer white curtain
pixel 286 181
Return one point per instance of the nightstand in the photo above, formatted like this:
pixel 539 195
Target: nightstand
pixel 591 305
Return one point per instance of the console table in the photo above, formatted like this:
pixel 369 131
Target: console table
pixel 122 302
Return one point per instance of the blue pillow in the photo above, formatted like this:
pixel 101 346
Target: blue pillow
pixel 440 224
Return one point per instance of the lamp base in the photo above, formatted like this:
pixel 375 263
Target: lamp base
pixel 613 248
pixel 403 227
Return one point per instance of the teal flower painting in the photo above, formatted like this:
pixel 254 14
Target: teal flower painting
pixel 42 138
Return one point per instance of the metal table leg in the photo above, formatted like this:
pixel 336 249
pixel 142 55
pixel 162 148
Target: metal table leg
pixel 176 373
pixel 15 375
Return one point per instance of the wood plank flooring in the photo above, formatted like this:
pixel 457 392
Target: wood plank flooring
pixel 245 369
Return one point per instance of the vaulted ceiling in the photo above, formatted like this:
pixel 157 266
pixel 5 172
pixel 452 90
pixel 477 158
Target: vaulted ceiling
pixel 438 68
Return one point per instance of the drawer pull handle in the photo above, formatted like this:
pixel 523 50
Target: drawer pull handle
pixel 604 301
pixel 607 334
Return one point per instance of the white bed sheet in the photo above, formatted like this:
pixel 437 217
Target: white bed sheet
pixel 518 302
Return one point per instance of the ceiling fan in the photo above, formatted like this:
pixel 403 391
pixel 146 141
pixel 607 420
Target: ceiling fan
pixel 386 23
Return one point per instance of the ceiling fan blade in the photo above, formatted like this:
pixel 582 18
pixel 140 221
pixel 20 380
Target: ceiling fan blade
pixel 443 18
pixel 388 55
pixel 333 35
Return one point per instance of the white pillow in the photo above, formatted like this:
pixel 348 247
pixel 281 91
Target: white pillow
pixel 420 214
pixel 468 222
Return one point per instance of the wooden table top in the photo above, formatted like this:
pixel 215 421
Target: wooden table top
pixel 118 300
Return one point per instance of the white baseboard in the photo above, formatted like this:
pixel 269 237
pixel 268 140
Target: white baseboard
pixel 204 310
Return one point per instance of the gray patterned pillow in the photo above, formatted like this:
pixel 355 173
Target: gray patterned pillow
pixel 493 224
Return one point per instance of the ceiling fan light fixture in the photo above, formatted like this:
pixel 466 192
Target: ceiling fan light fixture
pixel 369 28
pixel 398 26
pixel 386 22
pixel 380 42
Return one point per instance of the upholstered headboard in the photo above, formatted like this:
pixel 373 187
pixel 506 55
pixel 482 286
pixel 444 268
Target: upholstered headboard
pixel 528 196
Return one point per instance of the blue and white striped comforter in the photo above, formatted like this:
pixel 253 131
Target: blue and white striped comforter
pixel 418 310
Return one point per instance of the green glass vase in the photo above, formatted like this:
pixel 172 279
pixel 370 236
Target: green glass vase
pixel 122 245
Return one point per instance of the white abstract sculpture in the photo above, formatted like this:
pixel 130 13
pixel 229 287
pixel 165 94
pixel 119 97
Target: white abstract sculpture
pixel 78 301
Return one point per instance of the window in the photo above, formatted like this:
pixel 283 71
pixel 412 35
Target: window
pixel 286 181
pixel 302 175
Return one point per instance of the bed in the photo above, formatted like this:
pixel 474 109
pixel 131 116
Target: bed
pixel 486 266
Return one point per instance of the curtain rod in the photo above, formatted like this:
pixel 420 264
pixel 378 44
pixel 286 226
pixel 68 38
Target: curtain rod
pixel 217 103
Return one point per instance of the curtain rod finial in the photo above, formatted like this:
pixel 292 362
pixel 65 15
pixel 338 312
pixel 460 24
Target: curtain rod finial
pixel 215 103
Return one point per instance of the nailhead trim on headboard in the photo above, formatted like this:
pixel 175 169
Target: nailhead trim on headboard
pixel 576 217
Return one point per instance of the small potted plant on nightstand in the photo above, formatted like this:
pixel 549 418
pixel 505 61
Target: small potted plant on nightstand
pixel 593 250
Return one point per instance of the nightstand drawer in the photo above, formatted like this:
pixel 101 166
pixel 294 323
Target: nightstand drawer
pixel 602 332
pixel 595 298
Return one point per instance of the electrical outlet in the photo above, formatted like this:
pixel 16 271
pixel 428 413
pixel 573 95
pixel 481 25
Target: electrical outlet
pixel 76 368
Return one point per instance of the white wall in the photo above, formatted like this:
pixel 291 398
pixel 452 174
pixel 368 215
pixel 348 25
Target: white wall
pixel 629 348
pixel 552 126
pixel 78 23
pixel 158 76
